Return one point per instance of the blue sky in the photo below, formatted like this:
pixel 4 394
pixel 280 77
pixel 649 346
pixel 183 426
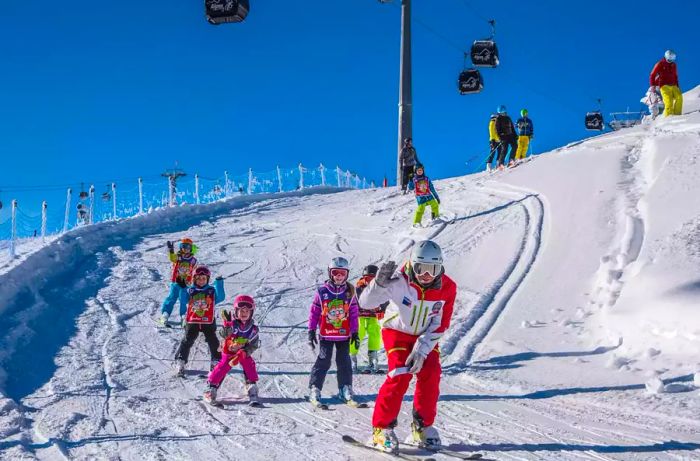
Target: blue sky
pixel 101 91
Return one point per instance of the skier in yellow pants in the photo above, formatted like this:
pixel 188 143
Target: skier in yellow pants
pixel 664 75
pixel 425 195
pixel 525 132
pixel 369 325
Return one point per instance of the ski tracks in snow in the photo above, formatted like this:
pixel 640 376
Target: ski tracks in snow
pixel 468 335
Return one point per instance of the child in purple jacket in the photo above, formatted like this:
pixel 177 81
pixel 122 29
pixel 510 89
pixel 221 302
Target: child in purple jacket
pixel 335 313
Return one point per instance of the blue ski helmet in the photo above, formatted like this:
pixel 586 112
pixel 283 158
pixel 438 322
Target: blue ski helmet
pixel 523 113
pixel 501 109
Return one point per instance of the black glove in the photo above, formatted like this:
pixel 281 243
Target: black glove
pixel 182 283
pixel 355 340
pixel 171 246
pixel 312 339
pixel 385 272
pixel 226 315
pixel 438 200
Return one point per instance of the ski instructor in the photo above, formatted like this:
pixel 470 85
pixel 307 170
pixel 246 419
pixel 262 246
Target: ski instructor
pixel 421 299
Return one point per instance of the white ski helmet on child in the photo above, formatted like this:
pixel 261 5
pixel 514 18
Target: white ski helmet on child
pixel 426 256
pixel 670 55
pixel 338 263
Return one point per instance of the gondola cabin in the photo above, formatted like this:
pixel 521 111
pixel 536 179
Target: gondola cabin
pixel 594 121
pixel 470 82
pixel 223 11
pixel 484 53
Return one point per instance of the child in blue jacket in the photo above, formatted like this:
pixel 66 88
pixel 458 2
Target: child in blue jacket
pixel 425 195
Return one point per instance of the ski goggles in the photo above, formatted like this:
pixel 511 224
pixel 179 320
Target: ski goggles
pixel 339 272
pixel 244 305
pixel 186 246
pixel 427 268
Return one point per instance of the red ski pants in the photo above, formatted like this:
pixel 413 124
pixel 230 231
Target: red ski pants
pixel 388 405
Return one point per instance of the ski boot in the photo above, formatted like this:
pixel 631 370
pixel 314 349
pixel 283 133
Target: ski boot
pixel 353 359
pixel 252 391
pixel 315 396
pixel 373 362
pixel 163 320
pixel 180 368
pixel 385 439
pixel 425 437
pixel 210 395
pixel 346 394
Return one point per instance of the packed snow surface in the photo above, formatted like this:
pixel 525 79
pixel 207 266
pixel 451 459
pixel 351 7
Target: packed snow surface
pixel 576 332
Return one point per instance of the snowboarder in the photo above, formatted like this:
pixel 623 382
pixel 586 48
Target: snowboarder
pixel 425 195
pixel 334 311
pixel 421 299
pixel 664 76
pixel 525 133
pixel 494 141
pixel 506 132
pixel 200 317
pixel 368 324
pixel 184 263
pixel 241 339
pixel 409 158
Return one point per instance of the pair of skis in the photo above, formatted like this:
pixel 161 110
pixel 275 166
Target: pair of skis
pixel 351 403
pixel 350 440
pixel 221 405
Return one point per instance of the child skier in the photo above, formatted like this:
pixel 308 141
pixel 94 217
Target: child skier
pixel 425 195
pixel 240 341
pixel 369 325
pixel 184 263
pixel 334 311
pixel 421 299
pixel 200 317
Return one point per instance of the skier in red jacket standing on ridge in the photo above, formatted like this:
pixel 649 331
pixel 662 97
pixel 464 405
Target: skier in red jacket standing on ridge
pixel 664 76
pixel 421 299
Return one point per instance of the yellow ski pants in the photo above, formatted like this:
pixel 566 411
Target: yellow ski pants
pixel 369 326
pixel 673 100
pixel 434 207
pixel 523 144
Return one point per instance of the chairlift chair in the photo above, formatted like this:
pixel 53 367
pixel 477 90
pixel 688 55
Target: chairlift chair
pixel 224 11
pixel 484 53
pixel 594 121
pixel 470 82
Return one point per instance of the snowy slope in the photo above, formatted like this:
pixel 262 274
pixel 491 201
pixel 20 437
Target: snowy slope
pixel 578 284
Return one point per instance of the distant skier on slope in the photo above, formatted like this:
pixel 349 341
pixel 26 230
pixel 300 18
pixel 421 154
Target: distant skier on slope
pixel 494 141
pixel 425 195
pixel 409 159
pixel 664 76
pixel 421 299
pixel 506 132
pixel 184 263
pixel 200 317
pixel 525 133
pixel 334 311
pixel 368 324
pixel 241 339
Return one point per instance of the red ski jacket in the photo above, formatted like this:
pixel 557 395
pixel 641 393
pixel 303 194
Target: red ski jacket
pixel 664 73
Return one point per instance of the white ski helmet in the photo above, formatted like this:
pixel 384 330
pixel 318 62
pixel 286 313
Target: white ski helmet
pixel 338 263
pixel 426 257
pixel 670 55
